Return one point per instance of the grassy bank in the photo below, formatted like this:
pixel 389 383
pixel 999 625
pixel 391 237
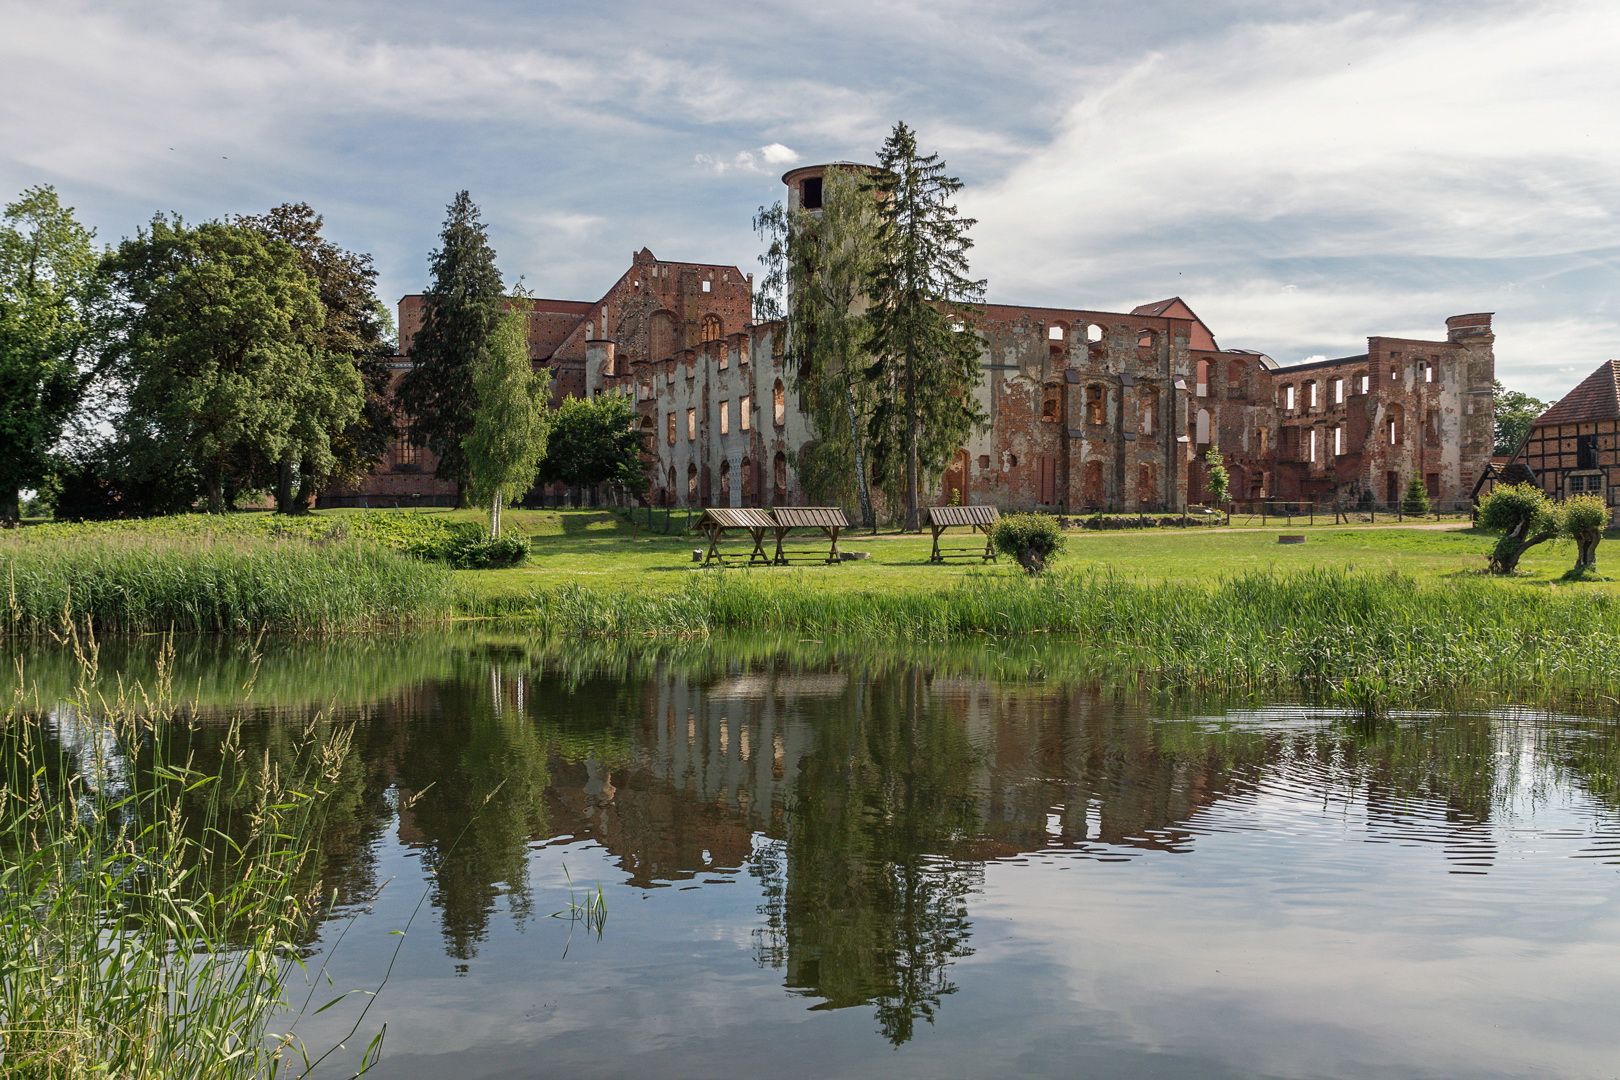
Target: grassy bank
pixel 122 582
pixel 1355 637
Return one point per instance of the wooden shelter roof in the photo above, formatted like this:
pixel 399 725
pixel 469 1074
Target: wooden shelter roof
pixel 736 517
pixel 962 515
pixel 793 517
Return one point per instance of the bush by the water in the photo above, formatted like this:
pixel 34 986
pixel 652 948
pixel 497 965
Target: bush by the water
pixel 203 584
pixel 1032 539
pixel 481 552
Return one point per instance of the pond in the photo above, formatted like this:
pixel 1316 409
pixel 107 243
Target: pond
pixel 821 861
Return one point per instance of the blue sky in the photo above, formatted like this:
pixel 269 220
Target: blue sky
pixel 1305 174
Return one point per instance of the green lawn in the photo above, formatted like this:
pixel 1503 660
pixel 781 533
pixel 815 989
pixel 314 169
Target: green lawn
pixel 594 547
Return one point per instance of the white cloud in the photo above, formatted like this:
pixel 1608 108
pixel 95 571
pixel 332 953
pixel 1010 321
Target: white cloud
pixel 755 161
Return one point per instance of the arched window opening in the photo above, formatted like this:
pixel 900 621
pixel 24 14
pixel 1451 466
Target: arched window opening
pixel 709 330
pixel 1094 333
pixel 1150 410
pixel 1201 427
pixel 1049 404
pixel 1056 332
pixel 723 497
pixel 725 354
pixel 779 479
pixel 749 483
pixel 691 485
pixel 779 404
pixel 1096 406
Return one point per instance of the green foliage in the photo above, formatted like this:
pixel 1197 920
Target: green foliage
pixel 1515 413
pixel 342 444
pixel 1416 499
pixel 1215 476
pixel 594 441
pixel 924 351
pixel 220 354
pixel 825 260
pixel 49 298
pixel 486 552
pixel 508 438
pixel 460 312
pixel 1032 539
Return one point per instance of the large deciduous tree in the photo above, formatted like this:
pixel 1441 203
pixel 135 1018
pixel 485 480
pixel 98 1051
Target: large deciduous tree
pixel 923 347
pixel 1515 412
pixel 460 311
pixel 593 441
pixel 508 438
pixel 823 261
pixel 48 299
pixel 219 353
pixel 334 444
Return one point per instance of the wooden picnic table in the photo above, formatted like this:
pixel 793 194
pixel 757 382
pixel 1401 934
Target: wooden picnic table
pixel 829 519
pixel 715 523
pixel 980 518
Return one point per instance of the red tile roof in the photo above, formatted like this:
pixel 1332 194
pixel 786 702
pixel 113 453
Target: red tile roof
pixel 1597 398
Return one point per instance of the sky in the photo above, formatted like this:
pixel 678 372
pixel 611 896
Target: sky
pixel 1304 174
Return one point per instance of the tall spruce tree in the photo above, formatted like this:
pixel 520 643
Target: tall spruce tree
pixel 823 262
pixel 923 347
pixel 460 311
pixel 508 437
pixel 335 445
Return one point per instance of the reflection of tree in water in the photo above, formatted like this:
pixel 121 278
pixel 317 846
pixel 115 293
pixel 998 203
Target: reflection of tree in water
pixel 870 907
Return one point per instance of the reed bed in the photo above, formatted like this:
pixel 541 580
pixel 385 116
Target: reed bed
pixel 1358 638
pixel 153 915
pixel 133 583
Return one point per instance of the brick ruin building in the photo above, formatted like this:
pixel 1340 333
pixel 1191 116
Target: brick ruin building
pixel 1574 447
pixel 1089 409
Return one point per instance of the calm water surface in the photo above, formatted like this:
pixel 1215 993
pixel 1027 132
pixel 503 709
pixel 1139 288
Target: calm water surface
pixel 830 864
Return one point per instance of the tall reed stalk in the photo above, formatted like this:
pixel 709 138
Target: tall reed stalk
pixel 152 916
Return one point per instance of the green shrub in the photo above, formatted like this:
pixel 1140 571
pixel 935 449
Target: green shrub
pixel 1032 539
pixel 1416 499
pixel 480 552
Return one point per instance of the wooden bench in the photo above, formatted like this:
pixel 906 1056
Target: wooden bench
pixel 829 519
pixel 979 518
pixel 715 523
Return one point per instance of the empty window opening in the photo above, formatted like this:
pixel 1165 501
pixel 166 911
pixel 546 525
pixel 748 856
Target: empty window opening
pixel 1263 437
pixel 1336 391
pixel 1049 405
pixel 708 286
pixel 1338 441
pixel 810 193
pixel 984 461
pixel 691 485
pixel 1054 333
pixel 1310 442
pixel 1096 408
pixel 779 404
pixel 1395 425
pixel 1201 427
pixel 725 418
pixel 1288 398
pixel 742 411
pixel 1150 410
pixel 1586 451
pixel 1203 378
pixel 1094 333
pixel 691 424
pixel 710 330
pixel 779 478
pixel 1310 394
pixel 1364 381
pixel 671 426
pixel 725 355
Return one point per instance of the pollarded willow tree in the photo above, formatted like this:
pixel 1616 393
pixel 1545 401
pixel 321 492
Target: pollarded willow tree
pixel 460 311
pixel 508 438
pixel 823 261
pixel 1524 516
pixel 1582 518
pixel 924 352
